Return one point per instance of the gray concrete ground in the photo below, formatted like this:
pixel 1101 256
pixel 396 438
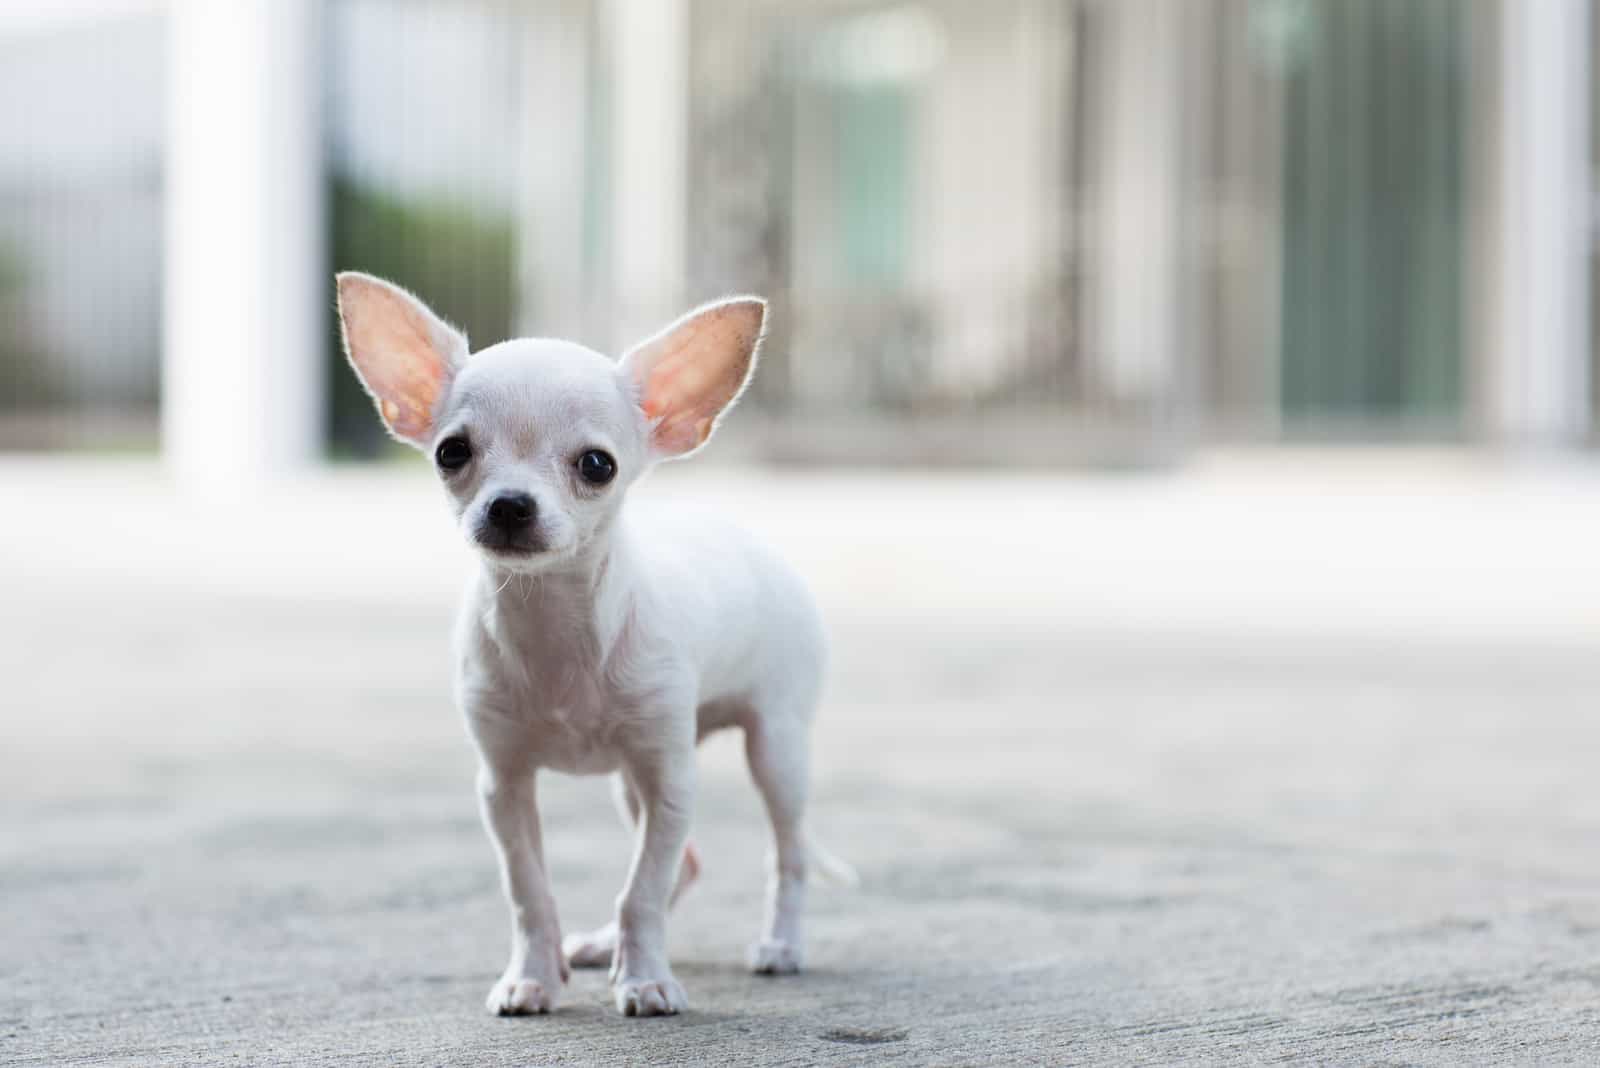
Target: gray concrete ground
pixel 1259 762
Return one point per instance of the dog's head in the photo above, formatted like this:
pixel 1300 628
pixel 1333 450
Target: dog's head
pixel 536 440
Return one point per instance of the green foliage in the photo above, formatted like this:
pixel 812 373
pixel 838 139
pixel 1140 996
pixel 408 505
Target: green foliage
pixel 457 259
pixel 23 378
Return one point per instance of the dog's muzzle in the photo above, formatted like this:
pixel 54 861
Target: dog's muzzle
pixel 508 524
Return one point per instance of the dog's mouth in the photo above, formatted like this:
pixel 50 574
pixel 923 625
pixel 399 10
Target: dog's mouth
pixel 510 552
pixel 525 561
pixel 517 545
pixel 523 555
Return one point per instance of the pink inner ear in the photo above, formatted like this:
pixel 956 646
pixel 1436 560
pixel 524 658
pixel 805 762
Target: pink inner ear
pixel 392 342
pixel 691 374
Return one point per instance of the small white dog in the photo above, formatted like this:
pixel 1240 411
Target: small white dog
pixel 589 642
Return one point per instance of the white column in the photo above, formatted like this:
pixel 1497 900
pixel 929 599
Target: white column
pixel 242 385
pixel 1536 378
pixel 1139 186
pixel 552 267
pixel 648 60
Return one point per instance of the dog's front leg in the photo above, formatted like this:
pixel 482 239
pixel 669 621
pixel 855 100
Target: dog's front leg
pixel 534 975
pixel 662 777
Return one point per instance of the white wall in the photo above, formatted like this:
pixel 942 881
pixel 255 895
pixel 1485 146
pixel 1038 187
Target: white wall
pixel 648 72
pixel 988 221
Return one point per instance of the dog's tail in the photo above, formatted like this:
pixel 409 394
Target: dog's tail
pixel 831 868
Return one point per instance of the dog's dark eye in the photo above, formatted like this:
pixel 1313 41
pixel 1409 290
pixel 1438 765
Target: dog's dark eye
pixel 453 454
pixel 596 467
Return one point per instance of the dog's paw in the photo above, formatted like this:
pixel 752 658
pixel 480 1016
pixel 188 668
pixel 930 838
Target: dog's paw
pixel 592 949
pixel 775 957
pixel 649 997
pixel 517 996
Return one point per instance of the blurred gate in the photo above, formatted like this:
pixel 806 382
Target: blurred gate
pixel 901 177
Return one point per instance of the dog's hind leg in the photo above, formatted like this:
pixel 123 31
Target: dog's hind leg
pixel 778 748
pixel 593 949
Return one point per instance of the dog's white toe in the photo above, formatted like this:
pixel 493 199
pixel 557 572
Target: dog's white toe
pixel 649 997
pixel 513 996
pixel 590 949
pixel 775 957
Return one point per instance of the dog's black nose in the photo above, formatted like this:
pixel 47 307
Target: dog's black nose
pixel 514 511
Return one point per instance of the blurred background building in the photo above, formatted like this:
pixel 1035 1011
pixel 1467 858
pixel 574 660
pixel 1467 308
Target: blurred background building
pixel 1047 231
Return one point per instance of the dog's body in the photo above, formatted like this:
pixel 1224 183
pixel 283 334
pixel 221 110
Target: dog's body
pixel 569 655
pixel 591 641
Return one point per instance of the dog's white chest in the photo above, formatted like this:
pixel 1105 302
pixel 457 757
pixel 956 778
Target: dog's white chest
pixel 556 715
pixel 580 739
pixel 543 699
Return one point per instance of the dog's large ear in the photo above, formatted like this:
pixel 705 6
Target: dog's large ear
pixel 687 376
pixel 403 353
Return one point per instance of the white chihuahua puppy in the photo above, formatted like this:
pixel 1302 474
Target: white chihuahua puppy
pixel 589 642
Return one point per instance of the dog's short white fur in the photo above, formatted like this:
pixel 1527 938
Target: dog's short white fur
pixel 591 640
